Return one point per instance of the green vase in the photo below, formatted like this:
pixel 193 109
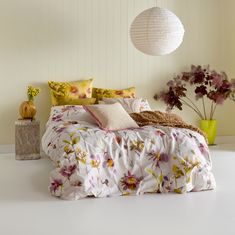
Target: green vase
pixel 210 128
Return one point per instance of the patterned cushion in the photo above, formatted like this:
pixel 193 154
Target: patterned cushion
pixel 111 117
pixel 63 93
pixel 100 93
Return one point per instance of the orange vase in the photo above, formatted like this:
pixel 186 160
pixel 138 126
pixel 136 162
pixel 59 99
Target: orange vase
pixel 27 110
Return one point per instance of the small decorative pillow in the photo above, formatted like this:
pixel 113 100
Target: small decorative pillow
pixel 68 92
pixel 100 93
pixel 144 105
pixel 111 117
pixel 131 105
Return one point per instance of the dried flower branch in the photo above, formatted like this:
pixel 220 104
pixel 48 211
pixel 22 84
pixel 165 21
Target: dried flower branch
pixel 207 84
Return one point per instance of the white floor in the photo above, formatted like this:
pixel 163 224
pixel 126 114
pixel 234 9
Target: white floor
pixel 26 208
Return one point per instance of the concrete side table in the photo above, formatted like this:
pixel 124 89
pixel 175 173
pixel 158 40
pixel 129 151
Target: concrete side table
pixel 27 140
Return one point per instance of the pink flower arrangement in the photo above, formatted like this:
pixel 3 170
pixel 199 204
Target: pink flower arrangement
pixel 206 84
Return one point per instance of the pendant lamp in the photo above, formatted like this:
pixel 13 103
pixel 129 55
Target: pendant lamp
pixel 157 31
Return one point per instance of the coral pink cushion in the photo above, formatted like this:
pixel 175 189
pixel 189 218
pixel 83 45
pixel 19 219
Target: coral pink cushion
pixel 111 117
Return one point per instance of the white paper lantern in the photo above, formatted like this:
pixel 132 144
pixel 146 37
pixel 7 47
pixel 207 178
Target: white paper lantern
pixel 157 31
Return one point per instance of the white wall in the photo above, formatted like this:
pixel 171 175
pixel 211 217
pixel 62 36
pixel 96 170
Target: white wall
pixel 73 39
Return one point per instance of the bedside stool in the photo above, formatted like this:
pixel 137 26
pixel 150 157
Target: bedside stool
pixel 27 140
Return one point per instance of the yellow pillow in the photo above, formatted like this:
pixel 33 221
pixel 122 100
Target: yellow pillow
pixel 79 101
pixel 100 93
pixel 63 93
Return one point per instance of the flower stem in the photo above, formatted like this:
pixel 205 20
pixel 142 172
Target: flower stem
pixel 195 110
pixel 204 107
pixel 194 105
pixel 30 98
pixel 213 111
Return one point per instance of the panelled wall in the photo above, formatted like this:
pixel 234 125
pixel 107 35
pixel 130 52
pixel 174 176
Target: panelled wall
pixel 75 39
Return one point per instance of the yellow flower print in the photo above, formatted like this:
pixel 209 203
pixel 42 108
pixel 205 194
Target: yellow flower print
pixel 110 163
pixel 130 181
pixel 137 145
pixel 177 171
pixel 95 161
pixel 81 155
pixel 68 149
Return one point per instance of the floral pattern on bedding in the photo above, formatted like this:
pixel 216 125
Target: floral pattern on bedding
pixel 152 159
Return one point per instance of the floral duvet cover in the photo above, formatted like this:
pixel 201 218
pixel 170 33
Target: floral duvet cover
pixel 152 159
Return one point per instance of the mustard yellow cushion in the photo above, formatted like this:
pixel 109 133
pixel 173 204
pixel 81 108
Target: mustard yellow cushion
pixel 100 93
pixel 63 93
pixel 78 101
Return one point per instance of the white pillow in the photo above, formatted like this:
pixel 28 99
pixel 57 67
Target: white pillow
pixel 144 105
pixel 111 117
pixel 131 105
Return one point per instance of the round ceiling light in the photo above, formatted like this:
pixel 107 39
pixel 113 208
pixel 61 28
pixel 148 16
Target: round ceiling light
pixel 157 31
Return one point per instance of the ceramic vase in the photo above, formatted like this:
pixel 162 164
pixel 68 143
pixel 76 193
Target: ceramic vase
pixel 27 110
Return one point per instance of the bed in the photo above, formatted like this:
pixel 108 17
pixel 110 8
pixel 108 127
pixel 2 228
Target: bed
pixel 152 159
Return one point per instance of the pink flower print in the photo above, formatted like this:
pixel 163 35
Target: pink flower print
pixel 76 183
pixel 130 181
pixel 59 129
pixel 164 157
pixel 67 171
pixel 82 96
pixel 73 89
pixel 158 132
pixel 175 135
pixel 69 108
pixel 118 139
pixel 202 148
pixel 55 184
pixel 57 118
pixel 119 93
pixel 51 145
pixel 158 157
